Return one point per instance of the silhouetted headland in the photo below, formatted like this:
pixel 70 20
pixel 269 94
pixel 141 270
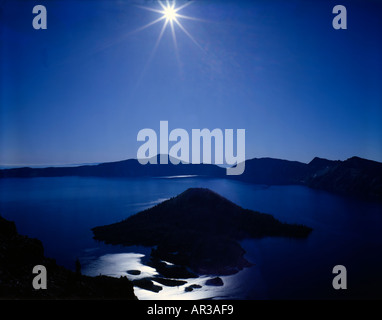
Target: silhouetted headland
pixel 197 229
pixel 19 254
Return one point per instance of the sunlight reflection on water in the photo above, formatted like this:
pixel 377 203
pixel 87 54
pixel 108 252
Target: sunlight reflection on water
pixel 116 265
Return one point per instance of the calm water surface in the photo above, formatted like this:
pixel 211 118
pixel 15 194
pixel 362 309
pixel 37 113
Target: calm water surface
pixel 61 211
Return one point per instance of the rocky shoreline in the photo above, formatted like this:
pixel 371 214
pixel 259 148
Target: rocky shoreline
pixel 18 256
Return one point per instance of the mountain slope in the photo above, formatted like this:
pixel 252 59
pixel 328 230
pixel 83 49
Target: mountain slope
pixel 19 254
pixel 273 171
pixel 353 177
pixel 199 229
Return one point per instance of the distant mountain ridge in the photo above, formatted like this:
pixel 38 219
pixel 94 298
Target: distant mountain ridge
pixel 354 177
pixel 124 168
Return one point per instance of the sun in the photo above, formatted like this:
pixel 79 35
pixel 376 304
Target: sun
pixel 171 16
pixel 170 13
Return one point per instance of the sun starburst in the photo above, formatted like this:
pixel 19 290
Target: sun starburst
pixel 170 14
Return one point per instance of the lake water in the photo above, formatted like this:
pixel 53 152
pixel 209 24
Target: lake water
pixel 61 212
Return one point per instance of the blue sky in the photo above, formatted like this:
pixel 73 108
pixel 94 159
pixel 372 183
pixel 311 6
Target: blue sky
pixel 80 91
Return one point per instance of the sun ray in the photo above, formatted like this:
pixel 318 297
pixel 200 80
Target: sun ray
pixel 157 43
pixel 152 53
pixel 162 5
pixel 190 18
pixel 126 35
pixel 149 24
pixel 149 9
pixel 175 45
pixel 173 35
pixel 188 34
pixel 170 16
pixel 160 35
pixel 176 17
pixel 183 6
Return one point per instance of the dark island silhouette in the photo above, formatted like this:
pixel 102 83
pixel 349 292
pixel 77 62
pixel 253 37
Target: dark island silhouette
pixel 355 177
pixel 19 254
pixel 197 229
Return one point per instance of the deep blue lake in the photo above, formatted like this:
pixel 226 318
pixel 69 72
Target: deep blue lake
pixel 61 211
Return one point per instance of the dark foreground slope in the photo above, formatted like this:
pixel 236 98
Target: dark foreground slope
pixel 198 229
pixel 19 254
